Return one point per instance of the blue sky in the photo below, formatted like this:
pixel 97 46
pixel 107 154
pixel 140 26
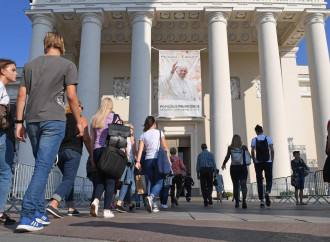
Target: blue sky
pixel 16 33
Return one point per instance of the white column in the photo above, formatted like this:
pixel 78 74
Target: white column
pixel 41 24
pixel 89 63
pixel 319 73
pixel 140 86
pixel 273 110
pixel 221 120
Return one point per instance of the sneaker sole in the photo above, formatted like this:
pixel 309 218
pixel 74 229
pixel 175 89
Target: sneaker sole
pixel 27 228
pixel 112 216
pixel 93 210
pixel 55 215
pixel 149 205
pixel 42 222
pixel 120 211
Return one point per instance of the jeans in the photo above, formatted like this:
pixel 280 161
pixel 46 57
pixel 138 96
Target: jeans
pixel 103 182
pixel 6 164
pixel 68 163
pixel 188 190
pixel 268 168
pixel 154 179
pixel 46 138
pixel 163 195
pixel 206 177
pixel 176 182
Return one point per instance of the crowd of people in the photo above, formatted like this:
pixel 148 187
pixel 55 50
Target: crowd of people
pixel 58 129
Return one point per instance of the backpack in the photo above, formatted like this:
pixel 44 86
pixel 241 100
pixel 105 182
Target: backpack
pixel 240 157
pixel 262 150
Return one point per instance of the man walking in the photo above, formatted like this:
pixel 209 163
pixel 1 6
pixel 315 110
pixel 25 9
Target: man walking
pixel 44 80
pixel 263 161
pixel 205 169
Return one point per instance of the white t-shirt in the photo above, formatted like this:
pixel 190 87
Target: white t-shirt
pixel 4 98
pixel 151 141
pixel 129 147
pixel 262 137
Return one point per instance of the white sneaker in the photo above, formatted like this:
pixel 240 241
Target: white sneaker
pixel 148 202
pixel 108 214
pixel 165 206
pixel 94 208
pixel 155 209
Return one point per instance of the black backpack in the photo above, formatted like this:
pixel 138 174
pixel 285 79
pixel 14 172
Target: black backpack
pixel 262 150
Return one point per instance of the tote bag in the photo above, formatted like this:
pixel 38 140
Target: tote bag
pixel 163 165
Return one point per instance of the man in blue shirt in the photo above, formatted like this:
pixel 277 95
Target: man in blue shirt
pixel 205 169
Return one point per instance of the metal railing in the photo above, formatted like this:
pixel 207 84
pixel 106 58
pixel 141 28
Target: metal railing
pixel 314 188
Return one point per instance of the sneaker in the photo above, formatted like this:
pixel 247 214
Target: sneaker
pixel 108 214
pixel 303 203
pixel 267 199
pixel 155 209
pixel 244 205
pixel 73 213
pixel 26 224
pixel 137 205
pixel 6 220
pixel 148 203
pixel 54 212
pixel 120 209
pixel 165 206
pixel 131 207
pixel 94 209
pixel 210 201
pixel 262 205
pixel 42 218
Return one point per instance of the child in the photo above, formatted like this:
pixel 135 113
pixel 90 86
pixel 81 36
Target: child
pixel 188 183
pixel 219 187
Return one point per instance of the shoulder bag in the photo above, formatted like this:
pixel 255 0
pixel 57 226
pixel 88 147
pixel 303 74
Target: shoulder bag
pixel 163 165
pixel 306 168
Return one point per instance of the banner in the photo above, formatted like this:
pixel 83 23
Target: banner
pixel 180 85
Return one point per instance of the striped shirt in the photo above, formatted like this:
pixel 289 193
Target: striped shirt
pixel 205 159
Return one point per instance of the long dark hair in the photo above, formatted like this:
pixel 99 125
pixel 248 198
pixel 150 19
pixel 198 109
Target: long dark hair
pixel 150 120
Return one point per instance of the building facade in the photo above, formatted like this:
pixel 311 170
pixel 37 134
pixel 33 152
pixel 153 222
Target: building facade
pixel 248 69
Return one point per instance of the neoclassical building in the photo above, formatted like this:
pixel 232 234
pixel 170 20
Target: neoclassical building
pixel 248 69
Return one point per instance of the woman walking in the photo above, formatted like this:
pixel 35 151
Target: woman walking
pixel 7 74
pixel 238 169
pixel 298 166
pixel 69 156
pixel 151 139
pixel 103 182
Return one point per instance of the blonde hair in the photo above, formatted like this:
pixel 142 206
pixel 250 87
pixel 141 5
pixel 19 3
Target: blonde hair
pixel 54 40
pixel 236 142
pixel 105 108
pixel 68 108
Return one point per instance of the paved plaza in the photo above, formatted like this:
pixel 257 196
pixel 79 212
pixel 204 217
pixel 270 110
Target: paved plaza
pixel 190 222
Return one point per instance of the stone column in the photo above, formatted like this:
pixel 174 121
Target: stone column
pixel 273 109
pixel 89 63
pixel 140 86
pixel 41 24
pixel 319 73
pixel 221 121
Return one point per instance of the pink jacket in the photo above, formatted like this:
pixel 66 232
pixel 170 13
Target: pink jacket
pixel 177 165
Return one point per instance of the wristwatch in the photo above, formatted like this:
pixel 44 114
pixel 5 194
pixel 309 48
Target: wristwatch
pixel 19 121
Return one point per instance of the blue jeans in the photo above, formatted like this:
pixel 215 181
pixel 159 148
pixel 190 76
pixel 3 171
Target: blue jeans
pixel 68 162
pixel 154 179
pixel 46 138
pixel 6 164
pixel 163 195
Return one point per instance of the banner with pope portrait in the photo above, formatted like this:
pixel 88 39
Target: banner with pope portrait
pixel 180 85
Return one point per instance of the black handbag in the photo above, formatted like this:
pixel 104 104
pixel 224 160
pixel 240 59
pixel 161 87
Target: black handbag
pixel 117 134
pixel 113 161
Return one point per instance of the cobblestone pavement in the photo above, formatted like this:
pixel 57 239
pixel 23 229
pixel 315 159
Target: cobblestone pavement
pixel 190 222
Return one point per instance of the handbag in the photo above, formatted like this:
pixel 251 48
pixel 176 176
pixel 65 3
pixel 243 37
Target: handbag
pixel 183 172
pixel 306 168
pixel 295 179
pixel 163 164
pixel 168 179
pixel 113 161
pixel 4 116
pixel 140 184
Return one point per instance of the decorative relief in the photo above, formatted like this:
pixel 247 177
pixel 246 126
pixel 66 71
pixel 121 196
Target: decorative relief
pixel 170 25
pixel 165 15
pixel 240 15
pixel 195 24
pixel 183 25
pixel 232 36
pixel 183 37
pixel 141 17
pixel 91 18
pixel 245 25
pixel 119 25
pixel 258 89
pixel 245 36
pixel 179 15
pixel 170 37
pixel 117 15
pixel 195 37
pixel 217 17
pixel 314 18
pixel 289 16
pixel 67 16
pixel 233 24
pixel 107 26
pixel 267 17
pixel 235 88
pixel 121 88
pixel 107 37
pixel 159 25
pixel 296 36
pixel 120 37
pixel 193 15
pixel 158 37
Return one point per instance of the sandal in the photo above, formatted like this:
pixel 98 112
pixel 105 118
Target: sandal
pixel 6 220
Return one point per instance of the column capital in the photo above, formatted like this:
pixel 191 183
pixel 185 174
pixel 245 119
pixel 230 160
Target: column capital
pixel 41 17
pixel 260 18
pixel 213 15
pixel 313 17
pixel 92 16
pixel 141 15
